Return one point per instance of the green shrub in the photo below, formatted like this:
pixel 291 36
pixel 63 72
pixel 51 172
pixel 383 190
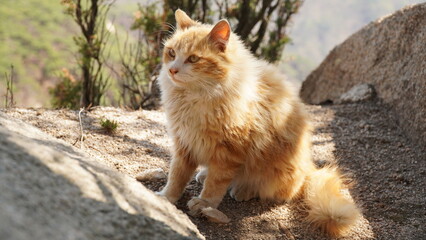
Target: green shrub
pixel 8 101
pixel 67 92
pixel 90 16
pixel 109 126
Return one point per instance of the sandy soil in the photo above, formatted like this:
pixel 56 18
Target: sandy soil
pixel 389 171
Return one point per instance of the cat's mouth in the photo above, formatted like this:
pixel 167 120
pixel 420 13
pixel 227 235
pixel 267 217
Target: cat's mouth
pixel 174 79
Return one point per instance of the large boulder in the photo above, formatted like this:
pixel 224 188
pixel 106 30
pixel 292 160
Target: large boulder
pixel 52 190
pixel 390 55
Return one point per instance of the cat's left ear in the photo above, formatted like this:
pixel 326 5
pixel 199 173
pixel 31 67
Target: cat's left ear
pixel 220 33
pixel 183 21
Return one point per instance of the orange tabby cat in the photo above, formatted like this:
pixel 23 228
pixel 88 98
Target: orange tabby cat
pixel 234 115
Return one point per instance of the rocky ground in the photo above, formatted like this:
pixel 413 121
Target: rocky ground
pixel 389 171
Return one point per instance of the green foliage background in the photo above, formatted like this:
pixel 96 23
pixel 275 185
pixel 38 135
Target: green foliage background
pixel 35 36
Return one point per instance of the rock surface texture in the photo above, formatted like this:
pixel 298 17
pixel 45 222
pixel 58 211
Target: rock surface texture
pixel 52 190
pixel 390 55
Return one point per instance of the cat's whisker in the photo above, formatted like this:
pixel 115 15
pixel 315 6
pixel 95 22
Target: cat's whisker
pixel 170 26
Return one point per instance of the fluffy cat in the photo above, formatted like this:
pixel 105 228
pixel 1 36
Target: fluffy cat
pixel 235 116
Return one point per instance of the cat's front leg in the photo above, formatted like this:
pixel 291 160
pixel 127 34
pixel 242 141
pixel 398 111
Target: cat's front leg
pixel 182 169
pixel 216 183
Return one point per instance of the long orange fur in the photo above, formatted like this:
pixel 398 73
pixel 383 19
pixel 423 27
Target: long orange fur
pixel 235 116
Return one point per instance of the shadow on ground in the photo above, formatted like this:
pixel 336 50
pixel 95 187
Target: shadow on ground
pixel 389 170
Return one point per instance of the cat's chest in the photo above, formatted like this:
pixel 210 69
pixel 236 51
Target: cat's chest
pixel 204 127
pixel 196 122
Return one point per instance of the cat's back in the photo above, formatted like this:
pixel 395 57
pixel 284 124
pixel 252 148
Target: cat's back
pixel 274 85
pixel 279 98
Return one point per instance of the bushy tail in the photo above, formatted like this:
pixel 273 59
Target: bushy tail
pixel 328 208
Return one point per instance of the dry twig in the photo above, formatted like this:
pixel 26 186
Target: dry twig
pixel 81 138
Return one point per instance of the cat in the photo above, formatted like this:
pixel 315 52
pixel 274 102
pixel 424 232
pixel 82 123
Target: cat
pixel 234 115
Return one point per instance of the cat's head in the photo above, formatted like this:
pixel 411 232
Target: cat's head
pixel 197 54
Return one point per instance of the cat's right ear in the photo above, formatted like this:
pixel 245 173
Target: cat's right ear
pixel 183 21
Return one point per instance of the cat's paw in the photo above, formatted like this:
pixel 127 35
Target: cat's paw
pixel 201 176
pixel 197 204
pixel 241 194
pixel 167 196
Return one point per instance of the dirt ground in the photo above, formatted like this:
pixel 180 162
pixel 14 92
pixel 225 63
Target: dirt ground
pixel 389 171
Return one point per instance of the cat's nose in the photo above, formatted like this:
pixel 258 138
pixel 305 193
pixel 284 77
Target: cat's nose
pixel 173 71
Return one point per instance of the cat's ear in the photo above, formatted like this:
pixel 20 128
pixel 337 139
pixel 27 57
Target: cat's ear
pixel 183 21
pixel 220 33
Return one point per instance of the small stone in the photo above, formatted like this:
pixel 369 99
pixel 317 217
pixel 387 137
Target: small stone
pixel 214 215
pixel 358 93
pixel 151 174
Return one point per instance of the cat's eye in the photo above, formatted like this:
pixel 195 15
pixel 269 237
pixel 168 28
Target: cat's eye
pixel 193 59
pixel 172 53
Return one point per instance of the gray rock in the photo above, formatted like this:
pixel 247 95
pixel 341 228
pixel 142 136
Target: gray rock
pixel 51 190
pixel 358 93
pixel 390 54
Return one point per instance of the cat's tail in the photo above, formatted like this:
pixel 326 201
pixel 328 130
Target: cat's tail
pixel 328 208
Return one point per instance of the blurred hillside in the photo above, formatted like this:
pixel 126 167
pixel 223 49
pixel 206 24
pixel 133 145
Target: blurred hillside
pixel 322 24
pixel 37 38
